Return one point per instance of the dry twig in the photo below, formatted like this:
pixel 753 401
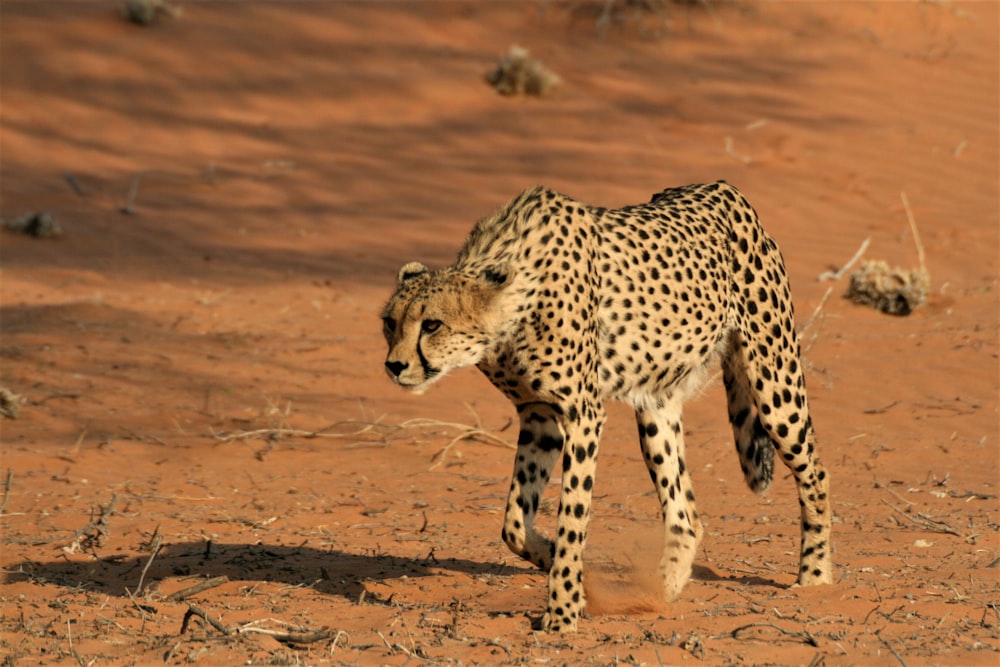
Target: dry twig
pixel 736 155
pixel 278 433
pixel 381 431
pixel 926 522
pixel 308 637
pixel 815 313
pixel 812 319
pixel 73 651
pixel 878 411
pixel 913 228
pixel 196 611
pixel 75 184
pixel 6 490
pixel 301 636
pixel 143 609
pixel 133 190
pixel 177 596
pixel 834 275
pixel 94 533
pixel 157 542
pixel 891 649
pixel 469 432
pixel 804 635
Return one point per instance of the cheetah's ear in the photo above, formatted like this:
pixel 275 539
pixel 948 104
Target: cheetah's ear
pixel 410 271
pixel 497 276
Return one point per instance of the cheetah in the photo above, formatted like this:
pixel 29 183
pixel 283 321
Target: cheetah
pixel 564 305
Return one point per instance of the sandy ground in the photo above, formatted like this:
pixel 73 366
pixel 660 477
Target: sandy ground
pixel 202 382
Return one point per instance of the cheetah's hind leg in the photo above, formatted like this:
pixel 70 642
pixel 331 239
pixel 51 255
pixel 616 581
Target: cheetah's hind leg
pixel 661 436
pixel 777 388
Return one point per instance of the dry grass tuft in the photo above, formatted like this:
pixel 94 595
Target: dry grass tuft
pixel 40 225
pixel 892 290
pixel 519 74
pixel 147 12
pixel 10 403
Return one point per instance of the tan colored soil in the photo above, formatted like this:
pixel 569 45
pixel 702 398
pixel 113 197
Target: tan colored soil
pixel 205 374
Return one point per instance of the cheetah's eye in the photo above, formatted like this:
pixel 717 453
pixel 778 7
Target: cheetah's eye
pixel 430 326
pixel 388 324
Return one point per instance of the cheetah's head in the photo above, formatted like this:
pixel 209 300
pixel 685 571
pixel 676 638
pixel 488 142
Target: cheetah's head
pixel 441 320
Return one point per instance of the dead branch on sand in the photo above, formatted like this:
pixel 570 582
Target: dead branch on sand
pixel 157 542
pixel 927 522
pixel 804 636
pixel 835 275
pixel 94 533
pixel 296 636
pixel 379 434
pixel 177 596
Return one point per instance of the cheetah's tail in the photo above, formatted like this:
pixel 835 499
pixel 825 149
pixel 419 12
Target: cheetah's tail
pixel 753 443
pixel 757 458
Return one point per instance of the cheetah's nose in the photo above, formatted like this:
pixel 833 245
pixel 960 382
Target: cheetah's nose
pixel 395 367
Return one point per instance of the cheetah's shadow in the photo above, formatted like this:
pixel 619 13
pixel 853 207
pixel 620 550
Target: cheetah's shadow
pixel 705 573
pixel 330 572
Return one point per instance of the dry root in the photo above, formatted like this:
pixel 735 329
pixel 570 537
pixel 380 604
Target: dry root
pixel 891 290
pixel 520 74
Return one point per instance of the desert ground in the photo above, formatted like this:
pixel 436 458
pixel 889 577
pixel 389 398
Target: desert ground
pixel 208 464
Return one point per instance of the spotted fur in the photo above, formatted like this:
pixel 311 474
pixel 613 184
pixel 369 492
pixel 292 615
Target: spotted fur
pixel 564 305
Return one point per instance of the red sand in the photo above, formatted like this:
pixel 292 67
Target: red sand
pixel 290 156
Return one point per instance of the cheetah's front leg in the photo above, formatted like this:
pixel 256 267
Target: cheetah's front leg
pixel 538 445
pixel 566 595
